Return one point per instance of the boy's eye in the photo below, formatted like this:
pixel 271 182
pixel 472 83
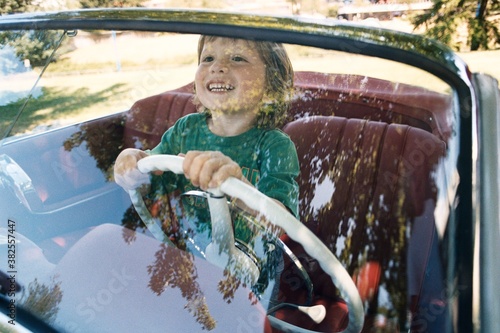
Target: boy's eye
pixel 238 58
pixel 208 59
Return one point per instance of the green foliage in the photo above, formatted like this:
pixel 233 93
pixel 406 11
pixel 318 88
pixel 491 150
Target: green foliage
pixel 463 24
pixel 14 6
pixel 483 32
pixel 333 10
pixel 35 45
pixel 110 3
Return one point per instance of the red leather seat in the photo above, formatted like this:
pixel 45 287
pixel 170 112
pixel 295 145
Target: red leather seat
pixel 348 96
pixel 150 117
pixel 362 186
pixel 358 96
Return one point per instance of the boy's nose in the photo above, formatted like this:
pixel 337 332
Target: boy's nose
pixel 219 66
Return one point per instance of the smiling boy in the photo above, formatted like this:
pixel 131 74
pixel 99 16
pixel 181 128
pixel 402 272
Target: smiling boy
pixel 242 90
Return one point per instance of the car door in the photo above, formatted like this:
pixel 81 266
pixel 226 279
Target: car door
pixel 487 251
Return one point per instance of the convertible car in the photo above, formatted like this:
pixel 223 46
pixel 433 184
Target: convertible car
pixel 398 142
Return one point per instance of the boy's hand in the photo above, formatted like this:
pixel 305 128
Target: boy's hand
pixel 125 170
pixel 209 169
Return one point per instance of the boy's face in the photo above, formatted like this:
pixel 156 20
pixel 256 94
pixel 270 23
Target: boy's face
pixel 231 76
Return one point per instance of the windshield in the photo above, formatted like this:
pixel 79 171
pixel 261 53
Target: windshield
pixel 375 143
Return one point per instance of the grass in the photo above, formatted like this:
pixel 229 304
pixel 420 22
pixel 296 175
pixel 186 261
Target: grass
pixel 78 97
pixel 56 103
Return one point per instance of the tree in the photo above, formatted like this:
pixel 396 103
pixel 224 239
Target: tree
pixel 35 45
pixel 14 6
pixel 110 3
pixel 463 24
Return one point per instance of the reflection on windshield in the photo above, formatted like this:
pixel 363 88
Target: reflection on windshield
pixel 163 209
pixel 174 269
pixel 102 140
pixel 371 173
pixel 190 230
pixel 190 234
pixel 43 299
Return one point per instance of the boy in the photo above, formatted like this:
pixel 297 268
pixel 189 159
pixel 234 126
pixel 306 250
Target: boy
pixel 242 90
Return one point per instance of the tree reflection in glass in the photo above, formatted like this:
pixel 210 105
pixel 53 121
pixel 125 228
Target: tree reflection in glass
pixel 175 269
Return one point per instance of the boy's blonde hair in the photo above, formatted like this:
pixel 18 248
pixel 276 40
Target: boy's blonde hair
pixel 279 81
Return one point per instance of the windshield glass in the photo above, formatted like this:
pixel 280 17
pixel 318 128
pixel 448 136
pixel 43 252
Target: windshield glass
pixel 94 73
pixel 364 159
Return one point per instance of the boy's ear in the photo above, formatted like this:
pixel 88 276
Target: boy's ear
pixel 267 99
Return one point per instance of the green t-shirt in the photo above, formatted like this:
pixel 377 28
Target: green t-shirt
pixel 268 158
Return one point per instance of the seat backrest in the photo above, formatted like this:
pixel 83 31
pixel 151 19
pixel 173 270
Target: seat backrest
pixel 150 117
pixel 362 185
pixel 358 96
pixel 362 169
pixel 348 96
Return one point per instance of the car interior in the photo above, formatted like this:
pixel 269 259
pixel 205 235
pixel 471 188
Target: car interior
pixel 367 163
pixel 369 151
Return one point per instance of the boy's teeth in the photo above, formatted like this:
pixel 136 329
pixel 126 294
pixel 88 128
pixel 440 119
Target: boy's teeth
pixel 220 87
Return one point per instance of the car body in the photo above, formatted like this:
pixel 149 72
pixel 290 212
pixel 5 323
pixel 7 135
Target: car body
pixel 398 145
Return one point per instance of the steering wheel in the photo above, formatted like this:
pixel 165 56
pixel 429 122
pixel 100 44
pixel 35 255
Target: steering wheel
pixel 223 252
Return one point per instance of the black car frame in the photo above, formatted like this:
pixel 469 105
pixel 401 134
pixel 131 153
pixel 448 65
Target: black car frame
pixel 399 218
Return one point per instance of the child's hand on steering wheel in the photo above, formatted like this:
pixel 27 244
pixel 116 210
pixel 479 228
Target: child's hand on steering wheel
pixel 209 169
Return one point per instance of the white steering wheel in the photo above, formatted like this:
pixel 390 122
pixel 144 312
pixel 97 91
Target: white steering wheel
pixel 223 252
